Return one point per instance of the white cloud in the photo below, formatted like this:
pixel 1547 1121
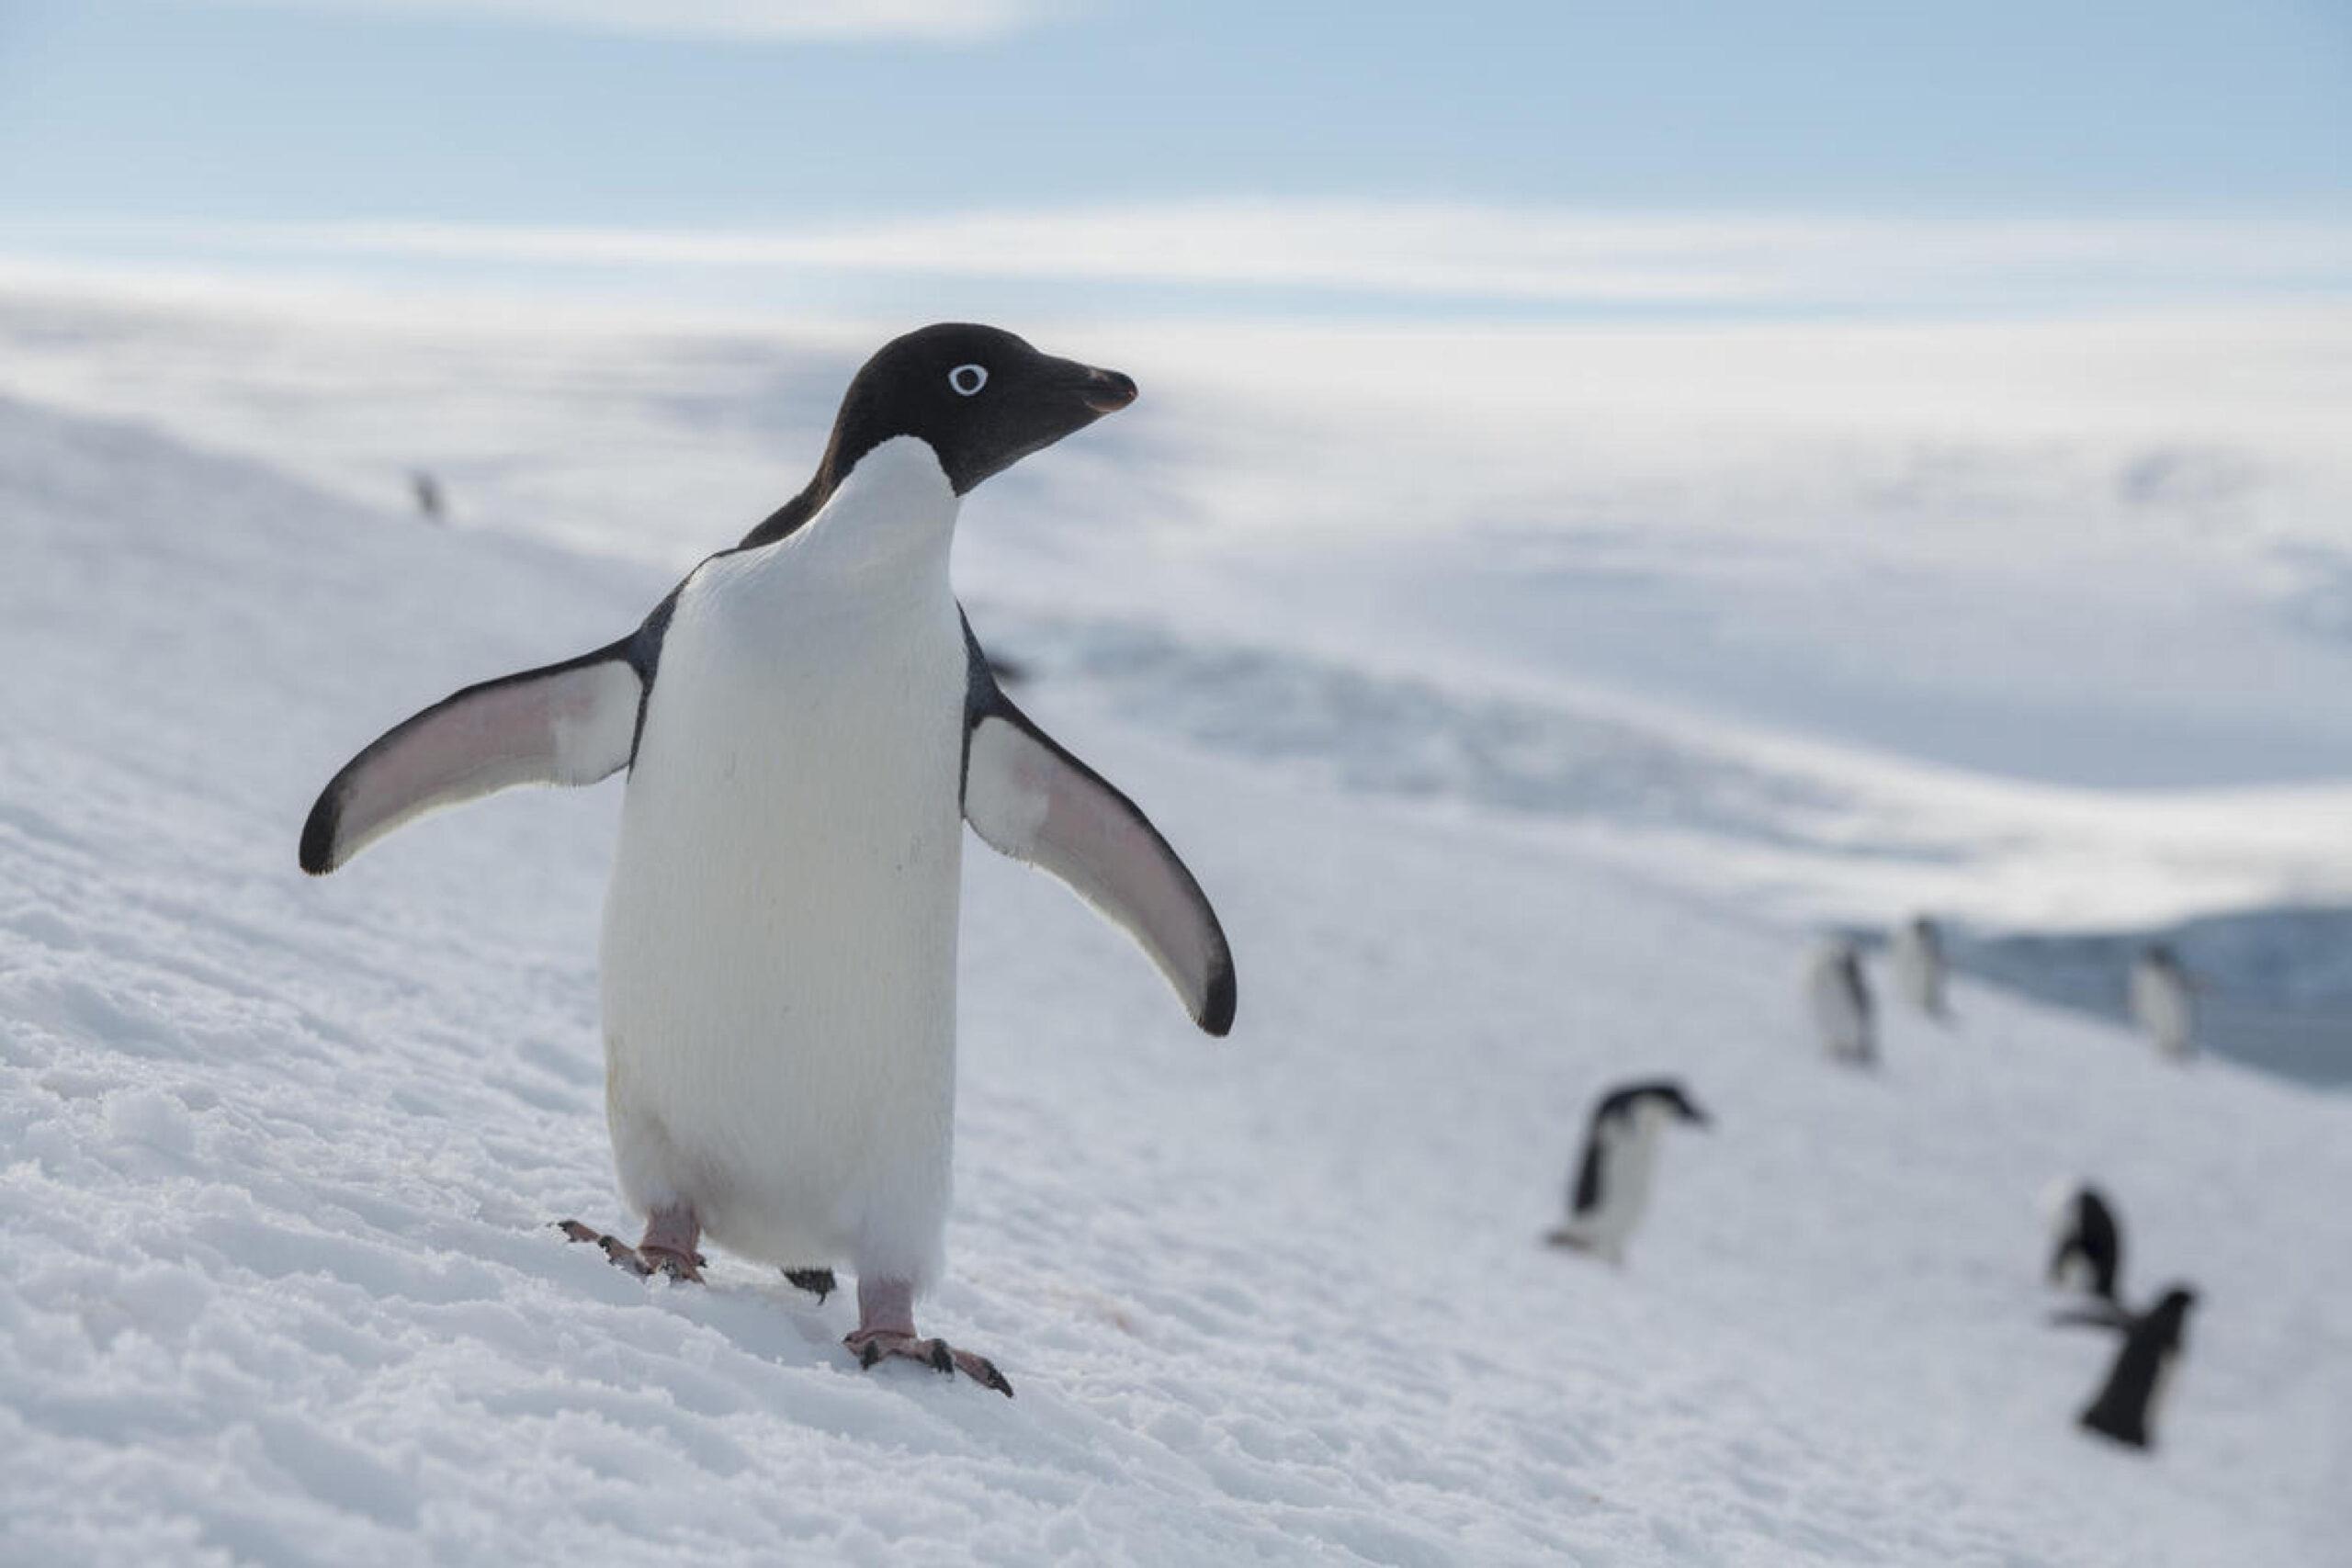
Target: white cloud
pixel 1454 252
pixel 939 21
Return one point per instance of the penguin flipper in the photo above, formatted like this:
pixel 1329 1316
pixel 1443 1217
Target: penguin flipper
pixel 2099 1315
pixel 1029 798
pixel 571 723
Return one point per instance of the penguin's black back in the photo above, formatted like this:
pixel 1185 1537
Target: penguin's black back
pixel 2093 1235
pixel 2120 1411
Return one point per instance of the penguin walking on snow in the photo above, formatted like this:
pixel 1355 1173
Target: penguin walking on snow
pixel 1917 950
pixel 432 502
pixel 2087 1243
pixel 1841 1003
pixel 808 724
pixel 1620 1161
pixel 2131 1402
pixel 2163 1002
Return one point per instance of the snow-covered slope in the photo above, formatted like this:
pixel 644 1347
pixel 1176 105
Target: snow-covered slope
pixel 278 1159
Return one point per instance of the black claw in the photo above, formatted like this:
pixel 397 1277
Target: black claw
pixel 817 1282
pixel 941 1359
pixel 869 1353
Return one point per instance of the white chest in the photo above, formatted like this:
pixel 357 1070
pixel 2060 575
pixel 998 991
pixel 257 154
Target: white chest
pixel 779 955
pixel 1630 1164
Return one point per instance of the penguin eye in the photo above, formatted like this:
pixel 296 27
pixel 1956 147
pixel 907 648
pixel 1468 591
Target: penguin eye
pixel 968 379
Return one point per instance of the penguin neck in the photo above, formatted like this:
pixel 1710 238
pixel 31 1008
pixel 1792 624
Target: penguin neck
pixel 891 518
pixel 1648 1119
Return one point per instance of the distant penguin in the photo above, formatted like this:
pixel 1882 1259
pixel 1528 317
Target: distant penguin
pixel 2128 1406
pixel 2087 1243
pixel 1620 1160
pixel 1917 950
pixel 431 504
pixel 2163 1002
pixel 1842 1003
pixel 809 724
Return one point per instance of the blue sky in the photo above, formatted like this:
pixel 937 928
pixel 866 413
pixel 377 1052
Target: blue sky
pixel 143 130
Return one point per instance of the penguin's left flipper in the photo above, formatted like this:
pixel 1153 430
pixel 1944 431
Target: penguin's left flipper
pixel 1029 798
pixel 2105 1316
pixel 572 723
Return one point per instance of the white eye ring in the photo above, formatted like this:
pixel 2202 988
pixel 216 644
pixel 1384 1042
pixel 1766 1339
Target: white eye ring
pixel 968 379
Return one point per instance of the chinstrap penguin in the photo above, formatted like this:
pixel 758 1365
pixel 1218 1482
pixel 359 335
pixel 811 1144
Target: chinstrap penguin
pixel 2163 1002
pixel 1618 1165
pixel 1842 1003
pixel 2131 1403
pixel 2086 1242
pixel 1917 949
pixel 807 723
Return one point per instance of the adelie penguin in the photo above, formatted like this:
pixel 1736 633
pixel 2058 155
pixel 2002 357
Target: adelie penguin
pixel 1917 949
pixel 807 722
pixel 2086 1242
pixel 2131 1402
pixel 1618 1165
pixel 1841 999
pixel 2164 1001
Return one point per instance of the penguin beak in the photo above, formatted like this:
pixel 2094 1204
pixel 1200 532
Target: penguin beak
pixel 1106 391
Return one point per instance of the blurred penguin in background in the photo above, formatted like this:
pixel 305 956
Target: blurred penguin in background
pixel 2086 1242
pixel 1842 1003
pixel 1620 1161
pixel 1918 947
pixel 2131 1402
pixel 2164 1003
pixel 431 504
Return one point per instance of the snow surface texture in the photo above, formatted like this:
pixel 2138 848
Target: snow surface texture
pixel 278 1157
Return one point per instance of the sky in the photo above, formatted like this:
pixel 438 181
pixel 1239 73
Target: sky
pixel 1477 158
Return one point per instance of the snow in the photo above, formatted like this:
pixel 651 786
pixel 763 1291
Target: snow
pixel 281 1156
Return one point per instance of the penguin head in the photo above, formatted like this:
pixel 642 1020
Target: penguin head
pixel 980 398
pixel 1683 1106
pixel 1661 1096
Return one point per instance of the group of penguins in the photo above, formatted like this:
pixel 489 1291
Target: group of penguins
pixel 1615 1171
pixel 2158 992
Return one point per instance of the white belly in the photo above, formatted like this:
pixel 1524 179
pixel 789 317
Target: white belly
pixel 1628 1164
pixel 779 951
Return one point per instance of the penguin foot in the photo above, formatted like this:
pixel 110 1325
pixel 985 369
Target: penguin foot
pixel 873 1346
pixel 642 1261
pixel 677 1264
pixel 817 1282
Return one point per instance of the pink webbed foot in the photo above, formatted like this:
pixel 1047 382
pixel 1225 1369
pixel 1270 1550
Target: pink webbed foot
pixel 886 1329
pixel 872 1346
pixel 668 1247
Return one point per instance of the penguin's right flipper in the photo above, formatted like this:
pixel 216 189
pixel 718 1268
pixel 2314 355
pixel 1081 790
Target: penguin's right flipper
pixel 572 723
